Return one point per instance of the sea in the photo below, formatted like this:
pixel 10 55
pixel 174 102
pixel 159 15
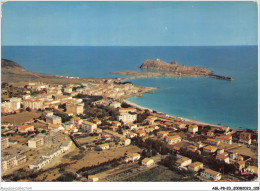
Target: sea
pixel 210 100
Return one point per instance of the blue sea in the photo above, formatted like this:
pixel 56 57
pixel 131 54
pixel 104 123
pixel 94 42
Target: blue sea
pixel 231 103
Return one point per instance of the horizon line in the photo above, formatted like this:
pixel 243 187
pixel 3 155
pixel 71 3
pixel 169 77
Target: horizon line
pixel 134 45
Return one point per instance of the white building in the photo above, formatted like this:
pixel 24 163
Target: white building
pixel 33 104
pixel 127 117
pixel 39 164
pixel 115 104
pixel 93 178
pixel 103 146
pixel 211 174
pixel 147 162
pixel 225 139
pixel 4 143
pixel 185 161
pixel 124 141
pixel 133 157
pixel 193 129
pixel 223 158
pixel 173 139
pixel 11 161
pixel 37 141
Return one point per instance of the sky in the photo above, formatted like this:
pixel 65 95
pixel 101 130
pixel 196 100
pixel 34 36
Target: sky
pixel 129 23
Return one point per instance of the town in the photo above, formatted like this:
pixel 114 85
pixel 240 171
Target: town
pixel 89 132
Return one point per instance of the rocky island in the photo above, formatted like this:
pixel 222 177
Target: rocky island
pixel 172 69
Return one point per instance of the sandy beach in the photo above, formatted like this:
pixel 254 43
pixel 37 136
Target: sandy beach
pixel 169 117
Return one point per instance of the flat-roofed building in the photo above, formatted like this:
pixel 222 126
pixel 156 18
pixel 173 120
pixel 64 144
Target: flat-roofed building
pixel 75 108
pixel 53 119
pixel 88 126
pixel 11 161
pixel 33 104
pixel 37 141
pixel 56 136
pixel 127 117
pixel 245 138
pixel 4 143
pixel 40 163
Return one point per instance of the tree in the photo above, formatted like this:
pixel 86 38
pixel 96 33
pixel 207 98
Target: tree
pixel 28 109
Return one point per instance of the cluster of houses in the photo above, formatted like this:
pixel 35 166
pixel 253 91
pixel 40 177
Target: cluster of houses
pixel 114 136
pixel 126 121
pixel 133 157
pixel 52 99
pixel 108 89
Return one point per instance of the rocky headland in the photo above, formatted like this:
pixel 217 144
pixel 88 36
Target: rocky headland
pixel 172 69
pixel 14 72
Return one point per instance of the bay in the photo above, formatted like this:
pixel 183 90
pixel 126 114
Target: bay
pixel 231 103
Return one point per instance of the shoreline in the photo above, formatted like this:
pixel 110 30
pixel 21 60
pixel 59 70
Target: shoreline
pixel 181 119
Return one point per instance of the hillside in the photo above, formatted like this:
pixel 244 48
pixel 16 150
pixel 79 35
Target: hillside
pixel 13 72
